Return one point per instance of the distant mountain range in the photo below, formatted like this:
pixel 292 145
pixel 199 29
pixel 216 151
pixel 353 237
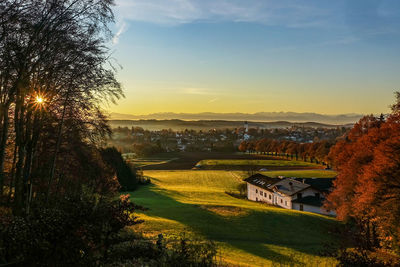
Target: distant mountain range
pixel 292 117
pixel 179 125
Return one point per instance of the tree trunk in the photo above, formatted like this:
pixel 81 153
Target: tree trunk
pixel 19 183
pixel 30 152
pixel 368 235
pixel 58 142
pixel 12 185
pixel 20 142
pixel 3 144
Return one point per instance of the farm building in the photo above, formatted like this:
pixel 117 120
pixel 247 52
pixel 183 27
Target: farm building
pixel 289 193
pixel 258 187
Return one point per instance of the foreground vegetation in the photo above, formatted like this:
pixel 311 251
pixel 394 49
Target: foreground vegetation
pixel 247 233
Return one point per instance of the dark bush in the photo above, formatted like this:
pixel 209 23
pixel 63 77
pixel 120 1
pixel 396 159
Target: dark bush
pixel 91 231
pixel 361 257
pixel 128 177
pixel 72 232
pixel 181 252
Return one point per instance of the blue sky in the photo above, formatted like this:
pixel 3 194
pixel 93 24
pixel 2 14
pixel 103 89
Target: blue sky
pixel 257 55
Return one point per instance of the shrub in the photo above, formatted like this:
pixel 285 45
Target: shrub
pixel 75 231
pixel 127 177
pixel 362 257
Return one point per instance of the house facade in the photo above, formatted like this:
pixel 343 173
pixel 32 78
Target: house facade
pixel 287 193
pixel 311 204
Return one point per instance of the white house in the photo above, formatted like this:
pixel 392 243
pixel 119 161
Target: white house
pixel 312 204
pixel 289 193
pixel 315 204
pixel 258 188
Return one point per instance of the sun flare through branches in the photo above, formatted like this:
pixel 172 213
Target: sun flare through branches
pixel 38 101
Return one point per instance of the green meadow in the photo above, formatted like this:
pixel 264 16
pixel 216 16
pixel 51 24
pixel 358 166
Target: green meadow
pixel 247 233
pixel 142 162
pixel 301 173
pixel 257 162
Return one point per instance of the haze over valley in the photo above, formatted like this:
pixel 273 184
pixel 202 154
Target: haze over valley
pixel 339 119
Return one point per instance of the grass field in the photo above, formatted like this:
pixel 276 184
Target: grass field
pixel 247 233
pixel 144 162
pixel 280 162
pixel 217 161
pixel 301 173
pixel 270 164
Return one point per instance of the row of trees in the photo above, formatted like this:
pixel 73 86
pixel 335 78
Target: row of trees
pixel 314 152
pixel 147 148
pixel 367 190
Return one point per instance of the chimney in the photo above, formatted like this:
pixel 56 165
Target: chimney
pixel 291 186
pixel 304 181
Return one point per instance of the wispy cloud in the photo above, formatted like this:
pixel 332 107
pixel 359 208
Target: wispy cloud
pixel 121 29
pixel 197 91
pixel 174 12
pixel 361 18
pixel 213 100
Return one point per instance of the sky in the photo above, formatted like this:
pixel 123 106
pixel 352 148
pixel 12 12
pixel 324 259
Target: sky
pixel 323 56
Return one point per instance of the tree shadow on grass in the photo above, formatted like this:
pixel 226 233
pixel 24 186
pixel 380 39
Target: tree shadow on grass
pixel 250 232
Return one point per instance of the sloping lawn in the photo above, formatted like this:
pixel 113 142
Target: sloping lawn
pixel 247 233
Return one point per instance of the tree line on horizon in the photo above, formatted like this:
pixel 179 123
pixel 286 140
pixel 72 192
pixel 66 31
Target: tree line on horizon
pixel 315 152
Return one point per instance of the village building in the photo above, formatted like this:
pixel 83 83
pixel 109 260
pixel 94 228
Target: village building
pixel 289 193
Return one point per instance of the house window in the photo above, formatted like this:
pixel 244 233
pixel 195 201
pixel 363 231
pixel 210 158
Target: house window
pixel 256 191
pixel 265 194
pixel 261 192
pixel 281 200
pixel 270 196
pixel 299 195
pixel 301 207
pixel 285 203
pixel 256 199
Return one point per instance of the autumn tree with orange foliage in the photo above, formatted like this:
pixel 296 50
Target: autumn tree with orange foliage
pixel 314 152
pixel 367 189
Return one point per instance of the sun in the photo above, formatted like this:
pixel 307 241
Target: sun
pixel 39 100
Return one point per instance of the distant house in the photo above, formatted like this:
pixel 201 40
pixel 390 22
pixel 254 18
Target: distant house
pixel 289 193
